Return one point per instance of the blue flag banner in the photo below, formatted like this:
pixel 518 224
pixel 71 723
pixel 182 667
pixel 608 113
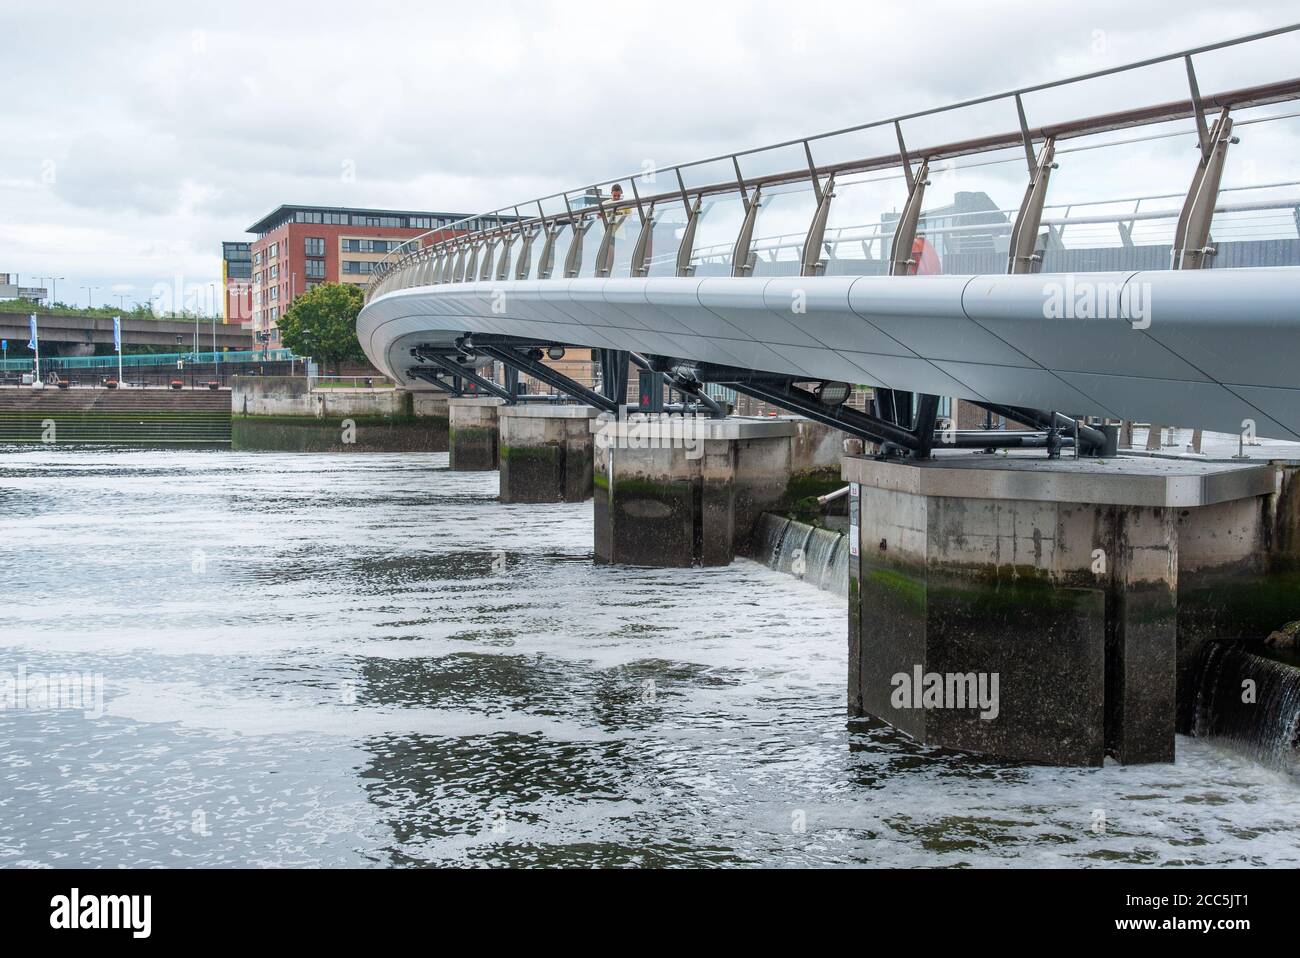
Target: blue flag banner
pixel 117 333
pixel 31 321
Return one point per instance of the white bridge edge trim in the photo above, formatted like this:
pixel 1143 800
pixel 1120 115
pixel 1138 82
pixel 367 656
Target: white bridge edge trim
pixel 1208 348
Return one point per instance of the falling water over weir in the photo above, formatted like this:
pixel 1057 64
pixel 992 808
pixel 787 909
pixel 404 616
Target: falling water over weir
pixel 1251 703
pixel 814 554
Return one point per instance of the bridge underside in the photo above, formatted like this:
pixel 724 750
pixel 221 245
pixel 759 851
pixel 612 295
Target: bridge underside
pixel 1001 341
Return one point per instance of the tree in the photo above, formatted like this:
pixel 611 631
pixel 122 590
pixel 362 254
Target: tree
pixel 322 324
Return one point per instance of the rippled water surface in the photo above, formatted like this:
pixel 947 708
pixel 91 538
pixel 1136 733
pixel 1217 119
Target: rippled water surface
pixel 368 660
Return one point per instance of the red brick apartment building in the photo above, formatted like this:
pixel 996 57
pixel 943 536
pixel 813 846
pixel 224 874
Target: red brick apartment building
pixel 299 247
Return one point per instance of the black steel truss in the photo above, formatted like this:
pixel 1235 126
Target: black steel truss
pixel 467 373
pixel 901 422
pixel 520 361
pixel 917 434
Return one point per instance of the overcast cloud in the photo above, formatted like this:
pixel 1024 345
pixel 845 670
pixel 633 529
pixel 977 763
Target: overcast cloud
pixel 136 140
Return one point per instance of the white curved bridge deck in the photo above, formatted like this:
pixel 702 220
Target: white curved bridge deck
pixel 1209 348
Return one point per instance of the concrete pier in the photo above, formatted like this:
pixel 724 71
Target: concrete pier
pixel 472 433
pixel 1064 589
pixel 545 452
pixel 433 410
pixel 681 492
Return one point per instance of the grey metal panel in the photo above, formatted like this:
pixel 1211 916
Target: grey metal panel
pixel 744 308
pixel 1013 308
pixel 679 299
pixel 905 372
pixel 1208 405
pixel 1276 403
pixel 1023 386
pixel 829 319
pixel 928 321
pixel 629 296
pixel 1239 326
pixel 830 364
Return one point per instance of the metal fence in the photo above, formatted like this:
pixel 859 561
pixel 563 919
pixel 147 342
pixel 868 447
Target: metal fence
pixel 948 207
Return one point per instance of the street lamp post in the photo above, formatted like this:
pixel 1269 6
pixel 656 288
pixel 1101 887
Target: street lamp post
pixel 54 288
pixel 213 287
pixel 90 296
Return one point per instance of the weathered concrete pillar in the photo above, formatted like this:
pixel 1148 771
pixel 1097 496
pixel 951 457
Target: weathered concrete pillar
pixel 431 407
pixel 680 492
pixel 472 436
pixel 545 453
pixel 1027 608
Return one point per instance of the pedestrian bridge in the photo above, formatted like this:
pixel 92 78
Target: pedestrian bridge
pixel 1139 264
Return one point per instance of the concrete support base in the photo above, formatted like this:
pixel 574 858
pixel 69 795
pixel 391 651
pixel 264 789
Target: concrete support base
pixel 545 453
pixel 683 492
pixel 472 434
pixel 1029 608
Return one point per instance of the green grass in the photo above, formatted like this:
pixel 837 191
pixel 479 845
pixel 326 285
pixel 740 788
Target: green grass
pixel 26 307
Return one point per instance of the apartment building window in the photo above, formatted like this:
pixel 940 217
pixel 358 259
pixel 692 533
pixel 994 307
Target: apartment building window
pixel 274 294
pixel 368 245
pixel 315 269
pixel 257 277
pixel 314 246
pixel 275 313
pixel 357 267
pixel 273 251
pixel 421 222
pixel 274 272
pixel 257 258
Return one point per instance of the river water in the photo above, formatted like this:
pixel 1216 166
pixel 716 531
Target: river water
pixel 366 660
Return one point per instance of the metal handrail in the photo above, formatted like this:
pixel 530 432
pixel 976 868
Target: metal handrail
pixel 1193 106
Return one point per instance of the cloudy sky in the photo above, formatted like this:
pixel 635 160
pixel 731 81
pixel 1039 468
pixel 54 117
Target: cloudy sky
pixel 138 137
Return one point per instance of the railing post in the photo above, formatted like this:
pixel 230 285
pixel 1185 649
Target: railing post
pixel 489 251
pixel 503 264
pixel 812 264
pixel 472 263
pixel 605 253
pixel 458 267
pixel 901 262
pixel 643 250
pixel 742 261
pixel 573 260
pixel 684 267
pixel 525 261
pixel 1023 256
pixel 1192 249
pixel 546 264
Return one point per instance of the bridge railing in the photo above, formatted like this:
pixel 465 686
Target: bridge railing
pixel 990 202
pixel 109 361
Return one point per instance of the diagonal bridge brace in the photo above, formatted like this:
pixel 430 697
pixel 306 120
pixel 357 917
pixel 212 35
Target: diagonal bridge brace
pixel 467 373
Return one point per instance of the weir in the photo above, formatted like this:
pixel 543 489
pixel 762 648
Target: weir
pixel 815 554
pixel 1250 702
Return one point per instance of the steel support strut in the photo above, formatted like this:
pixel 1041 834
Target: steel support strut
pixel 692 388
pixel 520 361
pixel 449 365
pixel 431 377
pixel 613 375
pixel 1091 440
